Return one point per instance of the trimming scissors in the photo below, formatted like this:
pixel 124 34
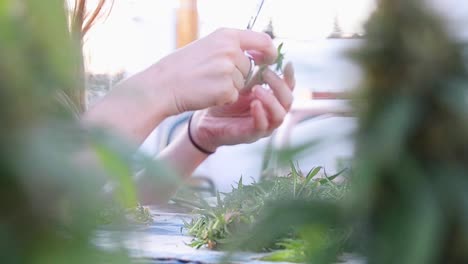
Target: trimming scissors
pixel 250 25
pixel 254 17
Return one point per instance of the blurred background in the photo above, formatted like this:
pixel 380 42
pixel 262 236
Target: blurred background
pixel 316 37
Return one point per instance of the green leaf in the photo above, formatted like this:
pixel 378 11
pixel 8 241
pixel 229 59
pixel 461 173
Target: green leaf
pixel 330 179
pixel 280 58
pixel 295 176
pixel 219 201
pixel 239 184
pixel 285 255
pixel 119 169
pixel 312 173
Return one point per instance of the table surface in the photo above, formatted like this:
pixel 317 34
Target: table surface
pixel 165 241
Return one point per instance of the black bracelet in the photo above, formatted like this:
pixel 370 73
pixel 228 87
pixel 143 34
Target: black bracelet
pixel 193 141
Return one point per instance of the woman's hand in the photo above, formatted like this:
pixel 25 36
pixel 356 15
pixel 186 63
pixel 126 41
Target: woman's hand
pixel 209 72
pixel 254 115
pixel 206 73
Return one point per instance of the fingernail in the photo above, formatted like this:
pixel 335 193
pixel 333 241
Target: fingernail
pixel 289 69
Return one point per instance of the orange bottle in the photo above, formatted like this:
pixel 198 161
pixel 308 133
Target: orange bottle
pixel 187 22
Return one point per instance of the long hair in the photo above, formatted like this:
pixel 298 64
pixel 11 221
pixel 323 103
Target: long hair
pixel 81 21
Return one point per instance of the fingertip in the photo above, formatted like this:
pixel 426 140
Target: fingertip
pixel 289 69
pixel 270 60
pixel 259 116
pixel 254 108
pixel 257 56
pixel 260 42
pixel 256 90
pixel 259 92
pixel 289 75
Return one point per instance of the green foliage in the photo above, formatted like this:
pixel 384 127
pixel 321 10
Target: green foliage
pixel 51 195
pixel 292 250
pixel 229 222
pixel 411 148
pixel 408 196
pixel 134 215
pixel 408 202
pixel 278 63
pixel 280 59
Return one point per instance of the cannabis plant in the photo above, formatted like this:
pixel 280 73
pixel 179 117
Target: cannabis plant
pixel 411 161
pixel 51 198
pixel 408 196
pixel 225 223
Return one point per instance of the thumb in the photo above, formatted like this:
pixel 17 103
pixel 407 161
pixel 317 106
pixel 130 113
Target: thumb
pixel 259 42
pixel 258 57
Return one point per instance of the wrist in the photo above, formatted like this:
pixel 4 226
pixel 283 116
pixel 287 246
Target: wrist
pixel 158 89
pixel 200 136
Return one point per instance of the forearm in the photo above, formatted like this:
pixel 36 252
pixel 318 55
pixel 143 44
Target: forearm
pixel 132 109
pixel 182 156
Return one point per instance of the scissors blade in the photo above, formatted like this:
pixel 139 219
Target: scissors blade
pixel 253 19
